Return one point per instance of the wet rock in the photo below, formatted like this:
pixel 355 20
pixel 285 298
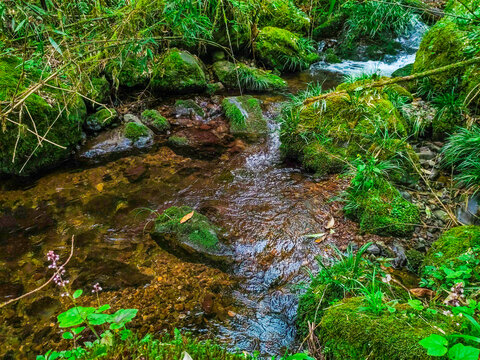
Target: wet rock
pixel 426 154
pixel 469 213
pixel 189 108
pixel 127 139
pixel 245 116
pixel 400 259
pixel 187 233
pixel 374 249
pixel 155 121
pixel 441 215
pixel 135 173
pixel 102 119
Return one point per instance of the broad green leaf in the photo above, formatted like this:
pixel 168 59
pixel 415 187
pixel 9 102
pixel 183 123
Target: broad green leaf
pixel 98 319
pixel 55 45
pixel 103 308
pixel 67 335
pixel 435 345
pixel 415 304
pixel 123 316
pixel 462 352
pixel 77 293
pixel 78 330
pixel 74 316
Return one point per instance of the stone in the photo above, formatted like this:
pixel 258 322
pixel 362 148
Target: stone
pixel 245 116
pixel 102 119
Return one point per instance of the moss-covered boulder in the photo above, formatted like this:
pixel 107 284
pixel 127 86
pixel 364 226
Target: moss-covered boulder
pixel 382 210
pixel 284 51
pixel 130 72
pixel 188 108
pixel 98 90
pixel 442 45
pixel 403 71
pixel 283 14
pixel 248 77
pixel 134 131
pixel 245 116
pixel 451 244
pixel 63 128
pixel 155 121
pixel 178 72
pixel 325 134
pixel 188 233
pixel 101 119
pixel 348 332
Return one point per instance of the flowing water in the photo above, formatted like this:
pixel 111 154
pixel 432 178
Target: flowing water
pixel 265 206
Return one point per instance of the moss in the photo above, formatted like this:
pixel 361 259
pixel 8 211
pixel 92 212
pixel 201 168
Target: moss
pixel 135 131
pixel 250 78
pixel 131 73
pixel 197 230
pixel 331 57
pixel 414 260
pixel 326 134
pixel 346 332
pixel 282 50
pixel 442 45
pixel 382 210
pixel 155 120
pixel 177 140
pixel 451 244
pixel 330 26
pixel 178 72
pixel 283 14
pixel 101 119
pixel 245 116
pixel 67 130
pixel 403 71
pixel 98 89
pixel 189 105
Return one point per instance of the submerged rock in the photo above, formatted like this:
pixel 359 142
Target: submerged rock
pixel 245 116
pixel 18 142
pixel 188 233
pixel 249 78
pixel 281 50
pixel 178 72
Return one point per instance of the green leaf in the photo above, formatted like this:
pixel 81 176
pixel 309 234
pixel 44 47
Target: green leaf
pixel 435 345
pixel 67 335
pixel 103 308
pixel 78 330
pixel 123 316
pixel 125 334
pixel 55 45
pixel 462 352
pixel 77 293
pixel 98 319
pixel 74 316
pixel 415 304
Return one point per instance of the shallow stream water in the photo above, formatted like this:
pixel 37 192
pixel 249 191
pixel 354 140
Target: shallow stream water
pixel 265 206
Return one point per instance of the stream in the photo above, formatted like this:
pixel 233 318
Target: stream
pixel 265 206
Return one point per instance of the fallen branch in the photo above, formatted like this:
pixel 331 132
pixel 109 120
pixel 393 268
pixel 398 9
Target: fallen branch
pixel 45 284
pixel 391 81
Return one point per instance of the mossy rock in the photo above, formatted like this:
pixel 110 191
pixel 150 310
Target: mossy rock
pixel 283 14
pixel 245 116
pixel 341 127
pixel 250 78
pixel 347 332
pixel 98 90
pixel 382 210
pixel 155 121
pixel 134 131
pixel 177 141
pixel 132 72
pixel 451 244
pixel 178 72
pixel 442 45
pixel 330 26
pixel 331 57
pixel 43 106
pixel 188 107
pixel 194 237
pixel 282 50
pixel 403 71
pixel 101 119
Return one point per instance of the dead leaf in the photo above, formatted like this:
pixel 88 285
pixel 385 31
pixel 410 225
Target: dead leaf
pixel 231 313
pixel 319 240
pixel 422 293
pixel 186 356
pixel 99 187
pixel 187 217
pixel 330 224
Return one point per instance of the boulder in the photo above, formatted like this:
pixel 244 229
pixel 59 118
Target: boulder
pixel 283 14
pixel 284 51
pixel 178 72
pixel 189 108
pixel 245 116
pixel 130 72
pixel 187 233
pixel 250 78
pixel 43 107
pixel 102 119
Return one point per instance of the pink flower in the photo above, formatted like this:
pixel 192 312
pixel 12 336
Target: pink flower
pixel 96 288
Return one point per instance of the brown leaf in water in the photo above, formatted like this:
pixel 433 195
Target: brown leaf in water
pixel 186 217
pixel 422 293
pixel 330 224
pixel 231 313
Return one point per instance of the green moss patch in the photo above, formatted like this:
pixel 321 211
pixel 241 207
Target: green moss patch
pixel 245 116
pixel 188 106
pixel 283 14
pixel 101 119
pixel 347 332
pixel 178 72
pixel 249 78
pixel 132 72
pixel 155 120
pixel 282 50
pixel 43 107
pixel 134 131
